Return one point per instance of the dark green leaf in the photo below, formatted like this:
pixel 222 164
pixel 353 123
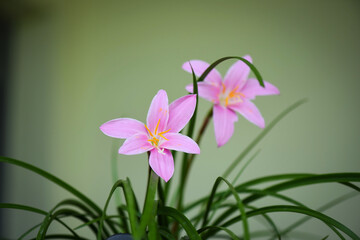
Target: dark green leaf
pixel 182 220
pixel 252 67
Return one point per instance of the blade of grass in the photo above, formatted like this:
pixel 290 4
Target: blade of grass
pixel 251 66
pixel 270 221
pixel 261 136
pixel 77 204
pixel 296 209
pixel 62 236
pixel 148 205
pixel 55 216
pixel 256 181
pixel 320 209
pixel 232 208
pixel 182 220
pixel 297 182
pixel 29 231
pixel 244 167
pixel 23 207
pixel 53 179
pixel 186 163
pixel 228 231
pixel 114 168
pixel 129 197
pixel 239 205
pixel 305 181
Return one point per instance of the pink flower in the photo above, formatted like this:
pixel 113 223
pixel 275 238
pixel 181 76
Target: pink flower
pixel 159 135
pixel 231 95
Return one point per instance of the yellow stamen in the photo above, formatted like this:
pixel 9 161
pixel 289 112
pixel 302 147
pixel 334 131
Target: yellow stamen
pixel 157 125
pixel 224 88
pixel 149 131
pixel 161 134
pixel 155 137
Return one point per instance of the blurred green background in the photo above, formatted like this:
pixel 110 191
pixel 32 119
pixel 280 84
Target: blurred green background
pixel 77 64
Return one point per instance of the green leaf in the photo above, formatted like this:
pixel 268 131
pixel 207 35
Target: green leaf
pixel 165 233
pixel 62 236
pixel 23 207
pixel 309 180
pixel 29 231
pixel 182 220
pixel 270 221
pixel 228 231
pixel 240 205
pixel 55 216
pixel 244 167
pixel 186 162
pixel 261 136
pixel 321 209
pixel 130 202
pixel 253 182
pixel 114 168
pixel 303 180
pixel 85 209
pixel 232 208
pixel 296 209
pixel 53 179
pixel 147 213
pixel 252 67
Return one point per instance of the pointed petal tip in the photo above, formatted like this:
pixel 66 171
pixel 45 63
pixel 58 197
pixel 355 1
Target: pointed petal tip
pixel 161 91
pixel 248 57
pixel 220 144
pixel 165 179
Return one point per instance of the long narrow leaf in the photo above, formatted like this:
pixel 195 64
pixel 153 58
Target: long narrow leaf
pixel 228 231
pixel 23 207
pixel 253 182
pixel 310 180
pixel 29 231
pixel 55 216
pixel 62 236
pixel 261 136
pixel 252 67
pixel 296 209
pixel 320 209
pixel 129 197
pixel 52 178
pixel 238 201
pixel 84 208
pixel 182 220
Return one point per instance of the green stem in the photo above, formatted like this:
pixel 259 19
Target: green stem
pixel 187 163
pixel 148 204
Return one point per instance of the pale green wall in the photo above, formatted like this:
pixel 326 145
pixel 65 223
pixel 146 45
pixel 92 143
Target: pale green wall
pixel 78 65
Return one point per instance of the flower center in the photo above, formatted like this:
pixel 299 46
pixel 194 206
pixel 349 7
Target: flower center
pixel 155 137
pixel 227 97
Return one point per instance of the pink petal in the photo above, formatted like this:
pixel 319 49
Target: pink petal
pixel 237 74
pixel 206 90
pixel 250 112
pixel 159 110
pixel 135 145
pixel 122 127
pixel 162 163
pixel 224 119
pixel 199 67
pixel 180 112
pixel 252 89
pixel 179 142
